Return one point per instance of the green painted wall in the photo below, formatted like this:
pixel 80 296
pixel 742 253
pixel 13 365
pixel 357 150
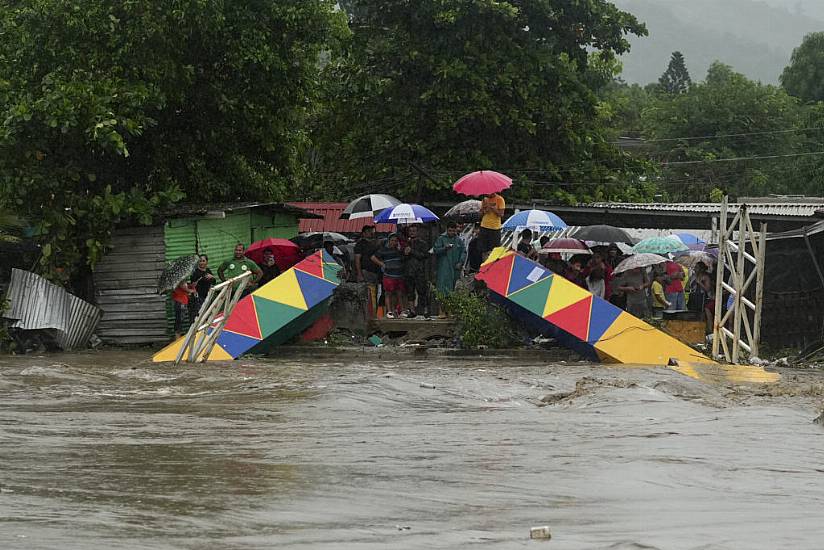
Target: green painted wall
pixel 279 225
pixel 217 237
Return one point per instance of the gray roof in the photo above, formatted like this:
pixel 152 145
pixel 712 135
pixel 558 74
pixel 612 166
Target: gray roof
pixel 761 208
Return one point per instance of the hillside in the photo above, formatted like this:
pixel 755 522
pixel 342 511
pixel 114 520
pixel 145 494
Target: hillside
pixel 756 37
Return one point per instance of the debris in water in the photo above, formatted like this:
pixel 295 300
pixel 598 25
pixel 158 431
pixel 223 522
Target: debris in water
pixel 540 533
pixel 429 386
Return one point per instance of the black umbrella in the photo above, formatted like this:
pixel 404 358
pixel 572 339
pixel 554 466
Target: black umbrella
pixel 315 239
pixel 603 234
pixel 466 211
pixel 176 271
pixel 368 206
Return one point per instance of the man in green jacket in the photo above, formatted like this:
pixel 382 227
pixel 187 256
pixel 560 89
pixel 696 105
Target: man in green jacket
pixel 450 252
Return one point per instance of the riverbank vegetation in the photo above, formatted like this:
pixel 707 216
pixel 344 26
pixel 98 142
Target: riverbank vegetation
pixel 112 112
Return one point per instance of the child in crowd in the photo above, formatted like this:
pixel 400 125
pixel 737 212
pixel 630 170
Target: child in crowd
pixel 390 260
pixel 180 297
pixel 659 298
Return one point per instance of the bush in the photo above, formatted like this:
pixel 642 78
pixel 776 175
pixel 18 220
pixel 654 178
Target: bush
pixel 480 323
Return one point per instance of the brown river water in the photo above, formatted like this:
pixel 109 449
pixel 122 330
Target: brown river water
pixel 106 450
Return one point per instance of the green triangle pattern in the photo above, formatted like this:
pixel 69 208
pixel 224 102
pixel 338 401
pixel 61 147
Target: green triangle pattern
pixel 330 272
pixel 533 297
pixel 272 316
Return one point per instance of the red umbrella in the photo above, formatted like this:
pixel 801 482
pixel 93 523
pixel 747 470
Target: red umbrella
pixel 568 246
pixel 480 183
pixel 286 252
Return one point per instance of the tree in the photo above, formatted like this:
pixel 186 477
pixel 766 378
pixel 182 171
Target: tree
pixel 725 117
pixel 429 90
pixel 109 110
pixel 676 79
pixel 804 76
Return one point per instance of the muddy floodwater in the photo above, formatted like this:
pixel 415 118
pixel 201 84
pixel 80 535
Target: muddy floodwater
pixel 105 450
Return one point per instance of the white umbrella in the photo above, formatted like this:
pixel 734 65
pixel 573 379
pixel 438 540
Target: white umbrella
pixel 639 260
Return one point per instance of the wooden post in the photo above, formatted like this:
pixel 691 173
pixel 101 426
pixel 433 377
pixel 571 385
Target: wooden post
pixel 719 278
pixel 759 288
pixel 738 277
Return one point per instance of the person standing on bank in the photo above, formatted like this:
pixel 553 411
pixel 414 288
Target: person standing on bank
pixel 416 254
pixel 365 269
pixel 492 213
pixel 450 253
pixel 390 260
pixel 237 265
pixel 269 268
pixel 202 279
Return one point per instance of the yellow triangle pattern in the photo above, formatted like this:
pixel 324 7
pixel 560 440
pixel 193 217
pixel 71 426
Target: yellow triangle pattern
pixel 169 353
pixel 284 289
pixel 563 293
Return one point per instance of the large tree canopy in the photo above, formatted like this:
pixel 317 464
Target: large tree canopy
pixel 804 76
pixel 697 133
pixel 109 109
pixel 456 85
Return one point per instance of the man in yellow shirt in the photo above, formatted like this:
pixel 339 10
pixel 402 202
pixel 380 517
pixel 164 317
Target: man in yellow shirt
pixel 492 212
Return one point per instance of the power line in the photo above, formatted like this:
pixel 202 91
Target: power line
pixel 740 159
pixel 722 136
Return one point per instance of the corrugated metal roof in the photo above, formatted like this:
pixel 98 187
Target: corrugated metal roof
pixel 330 212
pixel 765 209
pixel 35 303
pixel 191 209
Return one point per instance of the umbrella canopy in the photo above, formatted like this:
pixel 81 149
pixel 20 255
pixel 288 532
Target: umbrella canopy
pixel 693 257
pixel 368 206
pixel 466 211
pixel 691 241
pixel 286 252
pixel 639 260
pixel 315 239
pixel 540 219
pixel 569 246
pixel 406 213
pixel 659 245
pixel 481 183
pixel 176 271
pixel 603 234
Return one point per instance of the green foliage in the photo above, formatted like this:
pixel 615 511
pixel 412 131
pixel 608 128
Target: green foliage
pixel 479 322
pixel 804 76
pixel 454 86
pixel 676 79
pixel 725 104
pixel 112 110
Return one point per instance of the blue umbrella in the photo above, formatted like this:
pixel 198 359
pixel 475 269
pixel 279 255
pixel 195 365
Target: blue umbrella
pixel 540 219
pixel 692 242
pixel 406 213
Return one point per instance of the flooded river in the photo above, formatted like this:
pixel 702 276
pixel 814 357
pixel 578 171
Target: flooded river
pixel 106 450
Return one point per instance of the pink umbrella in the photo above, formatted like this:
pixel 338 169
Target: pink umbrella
pixel 483 182
pixel 568 246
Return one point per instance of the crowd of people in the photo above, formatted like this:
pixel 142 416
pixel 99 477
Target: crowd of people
pixel 642 292
pixel 409 271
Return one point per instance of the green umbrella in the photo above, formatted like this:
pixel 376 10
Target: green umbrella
pixel 659 245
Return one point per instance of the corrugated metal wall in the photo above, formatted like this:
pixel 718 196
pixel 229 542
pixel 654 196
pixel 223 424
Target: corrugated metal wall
pixel 279 225
pixel 218 237
pixel 181 239
pixel 126 285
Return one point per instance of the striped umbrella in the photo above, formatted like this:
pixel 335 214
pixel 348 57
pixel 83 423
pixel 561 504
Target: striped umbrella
pixel 406 213
pixel 535 219
pixel 659 245
pixel 368 206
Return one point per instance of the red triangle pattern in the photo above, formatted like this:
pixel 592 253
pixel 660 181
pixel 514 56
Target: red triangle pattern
pixel 496 274
pixel 243 319
pixel 313 265
pixel 573 319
